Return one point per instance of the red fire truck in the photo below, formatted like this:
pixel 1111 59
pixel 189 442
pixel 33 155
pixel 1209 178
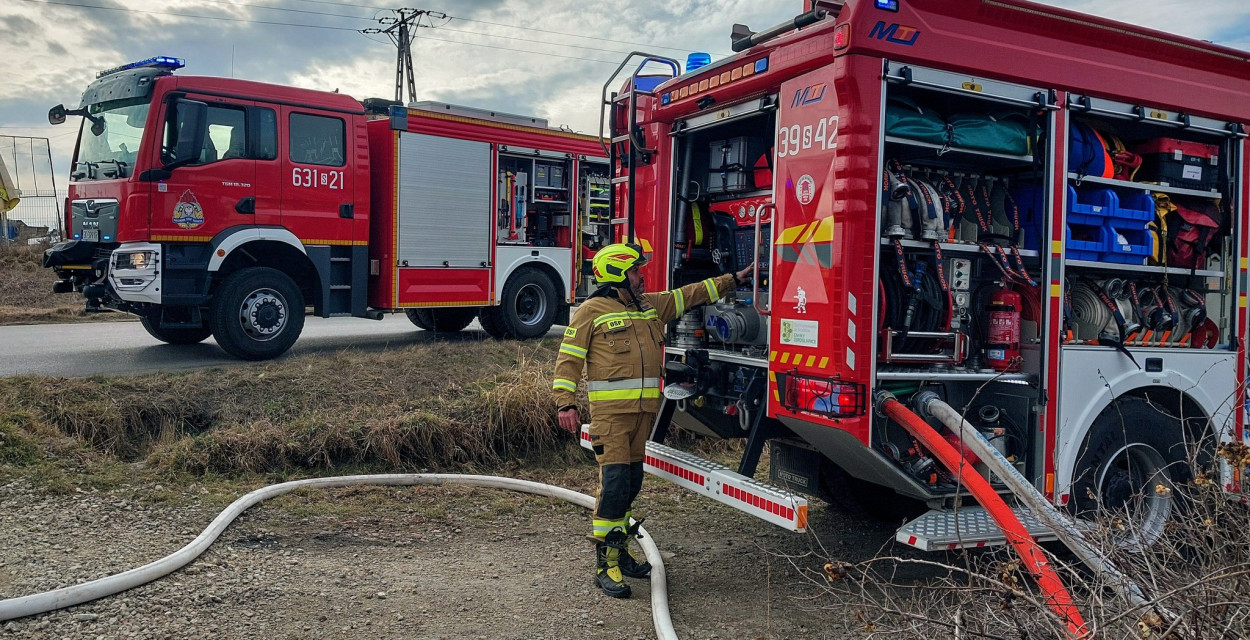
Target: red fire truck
pixel 1034 216
pixel 214 206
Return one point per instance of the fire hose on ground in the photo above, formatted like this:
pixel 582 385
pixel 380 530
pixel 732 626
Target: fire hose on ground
pixel 110 585
pixel 927 403
pixel 1056 595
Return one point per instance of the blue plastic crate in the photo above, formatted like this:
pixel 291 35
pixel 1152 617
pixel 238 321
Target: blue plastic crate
pixel 1084 249
pixel 1125 242
pixel 1138 207
pixel 1091 206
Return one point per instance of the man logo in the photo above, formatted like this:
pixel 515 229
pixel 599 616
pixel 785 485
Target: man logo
pixel 896 33
pixel 809 95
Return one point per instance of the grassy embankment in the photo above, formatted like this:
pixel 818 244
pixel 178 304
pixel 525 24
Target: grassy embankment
pixel 460 406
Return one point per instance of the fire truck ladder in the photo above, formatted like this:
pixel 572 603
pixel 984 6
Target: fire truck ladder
pixel 627 146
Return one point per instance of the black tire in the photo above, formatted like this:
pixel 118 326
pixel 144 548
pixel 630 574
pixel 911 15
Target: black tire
pixel 451 320
pixel 492 323
pixel 1131 449
pixel 528 307
pixel 257 313
pixel 179 335
pixel 419 317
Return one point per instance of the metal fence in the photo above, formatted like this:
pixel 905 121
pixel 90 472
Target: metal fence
pixel 39 214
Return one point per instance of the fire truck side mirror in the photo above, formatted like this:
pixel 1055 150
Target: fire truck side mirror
pixel 56 115
pixel 188 122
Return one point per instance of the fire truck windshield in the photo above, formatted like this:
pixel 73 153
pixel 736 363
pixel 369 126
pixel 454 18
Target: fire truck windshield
pixel 111 154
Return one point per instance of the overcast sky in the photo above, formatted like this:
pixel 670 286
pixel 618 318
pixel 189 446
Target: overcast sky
pixel 521 56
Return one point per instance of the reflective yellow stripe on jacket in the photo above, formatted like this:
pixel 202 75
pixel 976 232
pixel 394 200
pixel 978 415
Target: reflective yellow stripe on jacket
pixel 649 314
pixel 631 389
pixel 567 385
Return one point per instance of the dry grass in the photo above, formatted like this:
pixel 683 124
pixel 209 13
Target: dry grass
pixel 441 406
pixel 26 291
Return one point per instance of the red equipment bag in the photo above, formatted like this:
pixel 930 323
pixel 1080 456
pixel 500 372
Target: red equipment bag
pixel 1180 163
pixel 1192 228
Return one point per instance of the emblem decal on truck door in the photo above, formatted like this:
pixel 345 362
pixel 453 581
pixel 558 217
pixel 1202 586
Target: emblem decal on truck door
pixel 188 214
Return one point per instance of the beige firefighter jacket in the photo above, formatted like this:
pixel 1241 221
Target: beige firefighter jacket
pixel 622 348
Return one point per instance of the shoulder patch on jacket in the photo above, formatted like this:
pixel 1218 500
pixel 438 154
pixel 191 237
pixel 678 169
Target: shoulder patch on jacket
pixel 570 332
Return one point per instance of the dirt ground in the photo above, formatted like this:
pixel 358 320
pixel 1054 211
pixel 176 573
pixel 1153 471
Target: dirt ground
pixel 422 562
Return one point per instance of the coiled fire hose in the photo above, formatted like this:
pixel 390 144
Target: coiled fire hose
pixel 107 586
pixel 1056 595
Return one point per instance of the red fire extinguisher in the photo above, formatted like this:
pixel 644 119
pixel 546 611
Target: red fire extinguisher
pixel 1002 345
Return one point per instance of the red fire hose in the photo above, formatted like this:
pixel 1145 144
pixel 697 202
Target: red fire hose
pixel 1057 596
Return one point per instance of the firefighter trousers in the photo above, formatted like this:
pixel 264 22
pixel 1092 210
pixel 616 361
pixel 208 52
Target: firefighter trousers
pixel 620 445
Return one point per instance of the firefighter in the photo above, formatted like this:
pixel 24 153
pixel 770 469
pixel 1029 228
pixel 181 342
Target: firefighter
pixel 617 335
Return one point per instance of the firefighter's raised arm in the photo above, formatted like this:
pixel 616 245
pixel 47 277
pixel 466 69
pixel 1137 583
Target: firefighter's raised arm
pixel 670 305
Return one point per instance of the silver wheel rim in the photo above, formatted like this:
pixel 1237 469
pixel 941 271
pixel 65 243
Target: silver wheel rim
pixel 530 305
pixel 1133 484
pixel 263 314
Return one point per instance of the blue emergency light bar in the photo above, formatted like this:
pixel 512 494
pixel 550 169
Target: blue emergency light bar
pixel 158 62
pixel 887 5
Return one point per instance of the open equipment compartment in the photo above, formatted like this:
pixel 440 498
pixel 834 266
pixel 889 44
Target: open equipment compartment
pixel 960 310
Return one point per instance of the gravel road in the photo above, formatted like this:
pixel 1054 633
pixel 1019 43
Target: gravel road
pixel 422 562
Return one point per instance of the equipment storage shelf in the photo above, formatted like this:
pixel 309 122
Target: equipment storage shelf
pixel 937 375
pixel 955 247
pixel 1139 268
pixel 1142 186
pixel 948 156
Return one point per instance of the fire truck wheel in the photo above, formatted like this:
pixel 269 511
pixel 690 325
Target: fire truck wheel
pixel 257 313
pixel 447 320
pixel 528 306
pixel 492 323
pixel 180 335
pixel 1133 459
pixel 419 317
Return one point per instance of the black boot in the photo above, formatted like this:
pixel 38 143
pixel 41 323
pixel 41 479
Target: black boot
pixel 629 564
pixel 607 565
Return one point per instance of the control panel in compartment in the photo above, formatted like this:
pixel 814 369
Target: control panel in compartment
pixel 1148 236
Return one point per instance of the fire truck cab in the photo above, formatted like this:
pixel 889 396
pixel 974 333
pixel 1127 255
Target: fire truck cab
pixel 1037 215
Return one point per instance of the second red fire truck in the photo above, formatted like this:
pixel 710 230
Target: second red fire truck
pixel 215 206
pixel 1034 216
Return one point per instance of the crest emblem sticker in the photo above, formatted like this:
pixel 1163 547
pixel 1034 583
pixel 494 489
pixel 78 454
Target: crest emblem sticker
pixel 805 189
pixel 188 214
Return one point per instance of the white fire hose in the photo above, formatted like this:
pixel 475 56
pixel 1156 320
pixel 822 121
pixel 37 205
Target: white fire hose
pixel 107 586
pixel 927 403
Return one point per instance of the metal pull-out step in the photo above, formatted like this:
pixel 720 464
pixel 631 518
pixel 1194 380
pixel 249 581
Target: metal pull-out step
pixel 968 526
pixel 722 484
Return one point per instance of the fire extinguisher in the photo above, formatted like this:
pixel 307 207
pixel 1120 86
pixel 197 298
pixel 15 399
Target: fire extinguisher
pixel 1002 344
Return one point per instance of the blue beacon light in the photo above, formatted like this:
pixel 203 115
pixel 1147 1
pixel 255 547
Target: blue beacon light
pixel 160 62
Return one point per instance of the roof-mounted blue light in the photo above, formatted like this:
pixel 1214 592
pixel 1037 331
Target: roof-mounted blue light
pixel 159 62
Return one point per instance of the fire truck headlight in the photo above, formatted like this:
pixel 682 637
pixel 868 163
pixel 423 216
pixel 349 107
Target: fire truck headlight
pixel 135 261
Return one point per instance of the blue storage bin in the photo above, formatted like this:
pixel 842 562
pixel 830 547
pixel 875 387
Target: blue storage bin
pixel 1126 237
pixel 1090 206
pixel 1139 206
pixel 1082 247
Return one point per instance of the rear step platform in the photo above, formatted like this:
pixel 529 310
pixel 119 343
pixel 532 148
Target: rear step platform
pixel 720 483
pixel 971 526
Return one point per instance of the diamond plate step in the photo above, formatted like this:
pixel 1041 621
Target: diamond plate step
pixel 966 527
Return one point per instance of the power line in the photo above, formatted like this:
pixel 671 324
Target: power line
pixel 522 27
